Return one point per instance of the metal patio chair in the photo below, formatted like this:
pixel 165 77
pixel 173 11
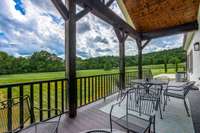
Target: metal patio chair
pixel 179 92
pixel 121 92
pixel 14 105
pixel 139 112
pixel 154 92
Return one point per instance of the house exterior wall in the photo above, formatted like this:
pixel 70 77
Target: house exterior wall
pixel 194 74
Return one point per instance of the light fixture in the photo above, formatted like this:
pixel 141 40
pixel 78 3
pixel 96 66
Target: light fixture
pixel 197 46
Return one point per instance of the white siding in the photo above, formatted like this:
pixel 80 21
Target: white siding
pixel 195 75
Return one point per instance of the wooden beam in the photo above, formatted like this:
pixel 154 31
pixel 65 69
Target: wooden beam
pixel 103 12
pixel 139 43
pixel 170 31
pixel 122 38
pixel 82 13
pixel 71 59
pixel 145 44
pixel 61 9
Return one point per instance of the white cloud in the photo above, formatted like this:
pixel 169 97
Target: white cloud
pixel 42 28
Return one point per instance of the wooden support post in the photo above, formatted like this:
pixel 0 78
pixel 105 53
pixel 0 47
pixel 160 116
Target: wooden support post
pixel 122 64
pixel 122 38
pixel 70 47
pixel 139 44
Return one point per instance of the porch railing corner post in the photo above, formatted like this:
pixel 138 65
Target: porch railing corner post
pixel 70 54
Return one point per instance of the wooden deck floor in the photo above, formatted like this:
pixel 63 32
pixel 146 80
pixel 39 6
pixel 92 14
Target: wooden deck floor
pixel 88 118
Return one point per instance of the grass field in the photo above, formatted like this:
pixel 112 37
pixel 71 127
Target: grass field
pixel 15 78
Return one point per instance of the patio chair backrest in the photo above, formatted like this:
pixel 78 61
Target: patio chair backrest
pixel 188 87
pixel 15 107
pixel 138 105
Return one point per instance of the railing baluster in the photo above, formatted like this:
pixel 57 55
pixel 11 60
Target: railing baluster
pixel 66 94
pixel 21 104
pixel 95 87
pixel 85 91
pixel 110 84
pixel 49 99
pixel 81 91
pixel 62 96
pixel 88 89
pixel 104 86
pixel 32 102
pixel 40 101
pixel 99 87
pixel 92 89
pixel 56 97
pixel 9 113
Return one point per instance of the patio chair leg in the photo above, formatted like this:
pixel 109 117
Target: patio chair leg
pixel 154 124
pixel 164 103
pixel 186 108
pixel 160 111
pixel 161 98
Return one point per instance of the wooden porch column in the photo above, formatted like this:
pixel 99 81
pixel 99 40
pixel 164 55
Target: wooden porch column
pixel 70 54
pixel 122 38
pixel 139 44
pixel 140 48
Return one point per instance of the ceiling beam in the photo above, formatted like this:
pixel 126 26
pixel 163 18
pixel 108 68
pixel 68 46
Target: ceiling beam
pixel 61 9
pixel 170 31
pixel 102 11
pixel 146 43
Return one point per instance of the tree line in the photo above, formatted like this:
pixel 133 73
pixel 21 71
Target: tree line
pixel 44 61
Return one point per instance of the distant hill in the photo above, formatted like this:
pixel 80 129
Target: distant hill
pixel 161 57
pixel 43 61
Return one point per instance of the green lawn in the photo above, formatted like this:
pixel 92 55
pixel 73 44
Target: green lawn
pixel 13 78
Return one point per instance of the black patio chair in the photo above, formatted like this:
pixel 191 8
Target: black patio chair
pixel 179 92
pixel 14 104
pixel 153 92
pixel 121 92
pixel 140 112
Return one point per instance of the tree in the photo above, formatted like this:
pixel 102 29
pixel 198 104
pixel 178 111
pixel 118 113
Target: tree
pixel 107 66
pixel 175 60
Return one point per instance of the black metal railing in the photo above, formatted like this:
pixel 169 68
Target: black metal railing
pixel 43 95
pixel 53 93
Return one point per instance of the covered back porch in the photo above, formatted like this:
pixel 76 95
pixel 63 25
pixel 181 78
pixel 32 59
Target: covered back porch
pixel 98 88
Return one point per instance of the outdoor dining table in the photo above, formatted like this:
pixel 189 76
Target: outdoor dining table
pixel 150 82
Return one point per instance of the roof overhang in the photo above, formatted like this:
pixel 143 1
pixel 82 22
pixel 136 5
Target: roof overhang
pixel 158 18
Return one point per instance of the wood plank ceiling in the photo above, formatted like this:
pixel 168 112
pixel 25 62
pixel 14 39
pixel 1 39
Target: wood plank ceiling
pixel 152 15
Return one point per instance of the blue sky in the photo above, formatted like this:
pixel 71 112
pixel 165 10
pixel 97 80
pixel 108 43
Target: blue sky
pixel 27 26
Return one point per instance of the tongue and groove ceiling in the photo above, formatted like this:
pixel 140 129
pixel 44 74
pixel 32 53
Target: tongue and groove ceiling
pixel 153 15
